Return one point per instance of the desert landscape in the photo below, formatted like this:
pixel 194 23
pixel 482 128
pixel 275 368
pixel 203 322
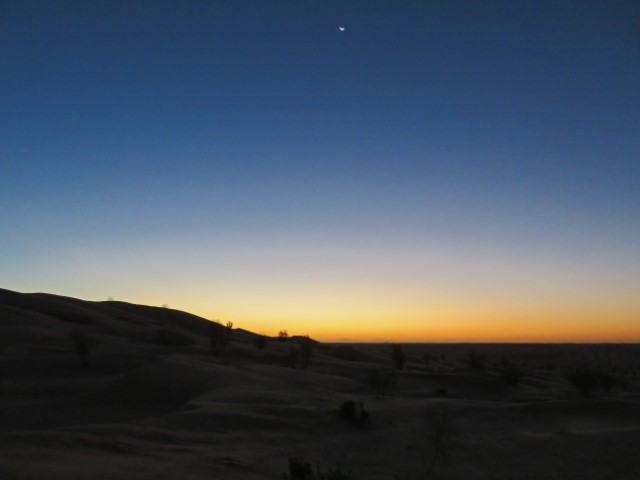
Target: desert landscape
pixel 113 390
pixel 319 240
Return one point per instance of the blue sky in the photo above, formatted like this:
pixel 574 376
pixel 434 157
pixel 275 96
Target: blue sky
pixel 148 150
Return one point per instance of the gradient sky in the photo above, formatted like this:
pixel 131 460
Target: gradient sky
pixel 440 170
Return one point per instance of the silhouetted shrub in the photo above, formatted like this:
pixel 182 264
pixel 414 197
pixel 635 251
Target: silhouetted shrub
pixel 283 335
pixel 228 330
pixel 300 469
pixel 398 357
pixel 83 345
pixel 172 338
pixel 511 375
pixel 476 361
pixel 347 409
pixel 354 412
pixel 381 382
pixel 305 351
pixel 333 474
pixel 260 341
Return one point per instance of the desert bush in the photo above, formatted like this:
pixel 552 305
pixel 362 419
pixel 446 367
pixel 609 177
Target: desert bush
pixel 440 435
pixel 83 345
pixel 283 335
pixel 398 357
pixel 347 409
pixel 300 469
pixel 333 474
pixel 228 329
pixel 381 382
pixel 172 338
pixel 305 351
pixel 260 341
pixel 354 412
pixel 476 361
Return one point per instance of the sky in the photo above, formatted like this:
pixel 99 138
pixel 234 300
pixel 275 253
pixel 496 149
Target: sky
pixel 436 171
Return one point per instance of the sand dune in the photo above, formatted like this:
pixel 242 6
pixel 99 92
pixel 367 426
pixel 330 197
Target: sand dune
pixel 155 401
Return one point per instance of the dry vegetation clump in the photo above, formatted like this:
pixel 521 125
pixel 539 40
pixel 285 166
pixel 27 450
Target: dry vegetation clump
pixel 381 381
pixel 354 413
pixel 300 469
pixel 283 335
pixel 83 346
pixel 229 329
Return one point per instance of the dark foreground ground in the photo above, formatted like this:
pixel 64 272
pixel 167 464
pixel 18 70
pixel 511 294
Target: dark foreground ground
pixel 167 395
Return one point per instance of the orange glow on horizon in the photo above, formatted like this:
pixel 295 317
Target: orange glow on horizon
pixel 381 310
pixel 492 302
pixel 483 328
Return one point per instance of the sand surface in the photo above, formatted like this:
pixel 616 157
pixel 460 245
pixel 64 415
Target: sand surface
pixel 157 402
